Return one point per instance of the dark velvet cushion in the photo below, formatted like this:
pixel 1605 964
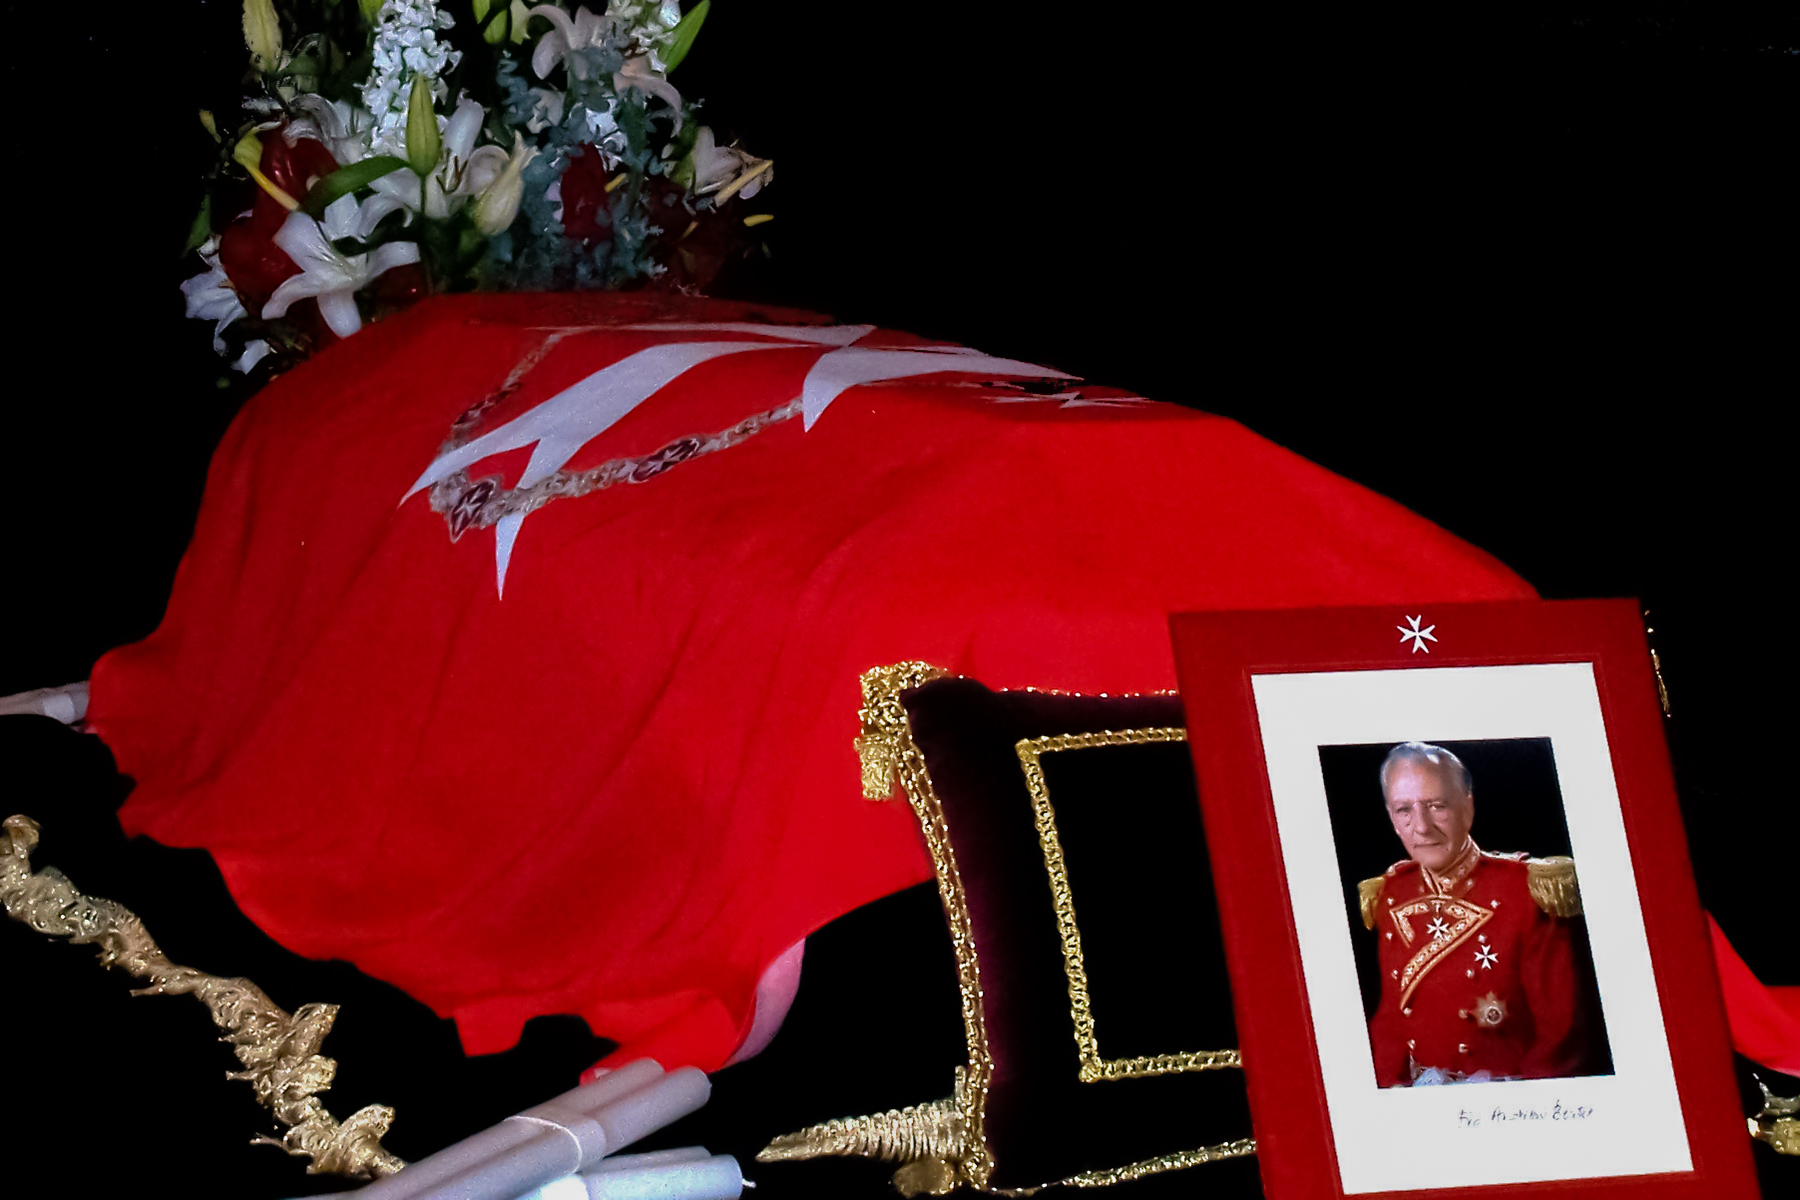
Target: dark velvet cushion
pixel 1073 869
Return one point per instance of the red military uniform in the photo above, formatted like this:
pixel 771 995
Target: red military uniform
pixel 1478 969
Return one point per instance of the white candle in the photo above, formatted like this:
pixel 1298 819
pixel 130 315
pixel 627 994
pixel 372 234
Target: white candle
pixel 715 1178
pixel 580 1103
pixel 548 1154
pixel 670 1098
pixel 655 1158
pixel 572 1187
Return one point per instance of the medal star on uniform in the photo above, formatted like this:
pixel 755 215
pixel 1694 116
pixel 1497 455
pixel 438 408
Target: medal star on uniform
pixel 1490 1010
pixel 1439 929
pixel 1486 957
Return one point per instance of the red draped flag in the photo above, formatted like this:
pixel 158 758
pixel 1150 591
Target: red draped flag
pixel 515 656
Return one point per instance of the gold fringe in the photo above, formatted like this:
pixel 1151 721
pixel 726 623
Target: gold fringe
pixel 1368 892
pixel 279 1052
pixel 1553 885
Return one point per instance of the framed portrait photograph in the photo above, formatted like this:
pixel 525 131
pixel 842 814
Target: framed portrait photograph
pixel 1465 947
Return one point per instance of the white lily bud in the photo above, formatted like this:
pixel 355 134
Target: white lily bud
pixel 424 144
pixel 262 34
pixel 498 204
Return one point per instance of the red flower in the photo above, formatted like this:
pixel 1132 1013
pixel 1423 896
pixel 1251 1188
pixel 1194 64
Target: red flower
pixel 255 265
pixel 587 209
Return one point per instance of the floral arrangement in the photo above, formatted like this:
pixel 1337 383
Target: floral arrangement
pixel 392 149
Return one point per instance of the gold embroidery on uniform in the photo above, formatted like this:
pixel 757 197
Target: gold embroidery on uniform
pixel 1463 920
pixel 1402 924
pixel 1095 1069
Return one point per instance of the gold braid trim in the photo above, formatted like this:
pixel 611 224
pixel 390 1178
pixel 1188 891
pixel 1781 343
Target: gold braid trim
pixel 1368 892
pixel 279 1052
pixel 1095 1069
pixel 1241 1148
pixel 1552 884
pixel 884 727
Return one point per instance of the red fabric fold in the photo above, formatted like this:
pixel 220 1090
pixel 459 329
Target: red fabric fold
pixel 626 786
pixel 1764 1020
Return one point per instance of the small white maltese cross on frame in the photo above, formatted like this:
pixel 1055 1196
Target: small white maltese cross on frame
pixel 1418 637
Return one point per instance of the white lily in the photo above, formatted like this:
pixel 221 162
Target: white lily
pixel 715 166
pixel 255 351
pixel 498 202
pixel 546 110
pixel 567 35
pixel 345 128
pixel 210 296
pixel 639 72
pixel 642 70
pixel 459 172
pixel 326 273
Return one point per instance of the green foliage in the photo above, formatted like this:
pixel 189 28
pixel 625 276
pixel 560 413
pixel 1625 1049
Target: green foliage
pixel 346 180
pixel 201 229
pixel 685 32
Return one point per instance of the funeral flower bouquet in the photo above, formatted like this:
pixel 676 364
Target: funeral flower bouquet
pixel 390 149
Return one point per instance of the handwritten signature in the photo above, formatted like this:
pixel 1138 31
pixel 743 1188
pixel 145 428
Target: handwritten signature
pixel 1500 1116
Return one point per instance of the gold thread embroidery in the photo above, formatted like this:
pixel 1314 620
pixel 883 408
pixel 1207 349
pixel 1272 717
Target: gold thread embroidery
pixel 279 1052
pixel 1095 1069
pixel 1468 918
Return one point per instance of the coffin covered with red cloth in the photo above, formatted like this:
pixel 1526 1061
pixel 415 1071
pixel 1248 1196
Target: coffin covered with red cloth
pixel 515 655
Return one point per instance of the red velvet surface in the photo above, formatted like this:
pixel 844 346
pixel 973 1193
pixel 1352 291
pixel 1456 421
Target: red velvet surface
pixel 626 787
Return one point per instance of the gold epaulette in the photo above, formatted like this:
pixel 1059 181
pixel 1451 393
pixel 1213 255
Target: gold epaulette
pixel 1369 891
pixel 1552 884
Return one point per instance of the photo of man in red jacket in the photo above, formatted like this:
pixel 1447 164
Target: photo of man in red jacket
pixel 1484 975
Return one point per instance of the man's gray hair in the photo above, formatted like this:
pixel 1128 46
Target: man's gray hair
pixel 1429 755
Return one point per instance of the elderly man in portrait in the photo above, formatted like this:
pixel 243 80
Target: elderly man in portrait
pixel 1483 976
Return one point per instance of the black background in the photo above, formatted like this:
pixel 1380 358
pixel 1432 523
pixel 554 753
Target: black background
pixel 1528 268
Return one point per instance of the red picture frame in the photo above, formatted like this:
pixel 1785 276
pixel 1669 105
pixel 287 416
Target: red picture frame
pixel 1327 676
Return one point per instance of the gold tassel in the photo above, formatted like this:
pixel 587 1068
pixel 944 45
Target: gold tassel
pixel 1775 1124
pixel 1553 885
pixel 279 1052
pixel 931 1130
